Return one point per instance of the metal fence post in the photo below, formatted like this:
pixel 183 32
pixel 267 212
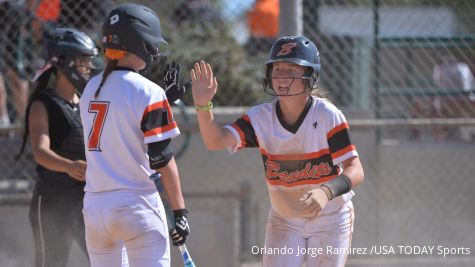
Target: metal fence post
pixel 246 220
pixel 290 21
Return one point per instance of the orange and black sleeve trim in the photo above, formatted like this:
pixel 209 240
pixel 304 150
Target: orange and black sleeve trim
pixel 339 140
pixel 157 119
pixel 246 132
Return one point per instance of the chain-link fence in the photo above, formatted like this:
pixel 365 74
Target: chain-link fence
pixel 402 72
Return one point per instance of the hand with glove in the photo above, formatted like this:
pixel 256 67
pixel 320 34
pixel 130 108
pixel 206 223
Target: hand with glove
pixel 180 233
pixel 171 82
pixel 315 200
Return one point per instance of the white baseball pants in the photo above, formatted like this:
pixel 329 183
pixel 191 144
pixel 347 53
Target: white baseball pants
pixel 323 241
pixel 126 228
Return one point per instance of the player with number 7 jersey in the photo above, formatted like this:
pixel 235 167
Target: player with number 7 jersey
pixel 128 126
pixel 130 112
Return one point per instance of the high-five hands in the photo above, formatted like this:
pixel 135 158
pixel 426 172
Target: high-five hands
pixel 171 82
pixel 204 84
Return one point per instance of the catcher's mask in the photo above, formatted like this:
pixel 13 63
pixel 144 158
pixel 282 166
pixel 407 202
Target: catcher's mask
pixel 72 52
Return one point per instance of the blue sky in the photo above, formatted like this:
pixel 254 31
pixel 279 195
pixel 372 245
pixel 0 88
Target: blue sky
pixel 233 9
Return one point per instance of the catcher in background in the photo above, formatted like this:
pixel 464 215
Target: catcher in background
pixel 128 127
pixel 310 163
pixel 54 125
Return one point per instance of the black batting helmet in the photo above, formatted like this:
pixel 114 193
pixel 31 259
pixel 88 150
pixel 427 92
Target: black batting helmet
pixel 297 50
pixel 64 46
pixel 134 28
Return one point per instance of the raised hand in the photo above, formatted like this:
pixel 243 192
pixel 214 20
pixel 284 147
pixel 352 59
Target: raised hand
pixel 204 84
pixel 173 89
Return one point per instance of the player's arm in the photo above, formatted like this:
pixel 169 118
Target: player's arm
pixel 214 136
pixel 353 169
pixel 40 142
pixel 162 160
pixel 171 185
pixel 204 88
pixel 351 176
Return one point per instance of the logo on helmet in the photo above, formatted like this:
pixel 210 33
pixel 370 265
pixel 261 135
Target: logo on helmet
pixel 114 19
pixel 286 49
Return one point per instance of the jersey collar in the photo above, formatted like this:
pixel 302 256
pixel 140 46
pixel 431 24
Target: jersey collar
pixel 293 128
pixel 124 68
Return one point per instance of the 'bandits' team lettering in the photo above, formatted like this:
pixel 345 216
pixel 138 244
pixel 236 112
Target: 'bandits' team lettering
pixel 309 172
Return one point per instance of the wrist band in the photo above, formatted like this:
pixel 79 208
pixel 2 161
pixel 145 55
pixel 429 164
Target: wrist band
pixel 339 185
pixel 180 212
pixel 205 108
pixel 327 191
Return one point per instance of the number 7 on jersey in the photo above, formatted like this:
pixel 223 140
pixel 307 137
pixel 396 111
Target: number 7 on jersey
pixel 99 108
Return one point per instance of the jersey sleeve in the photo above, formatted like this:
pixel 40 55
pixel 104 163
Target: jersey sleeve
pixel 338 137
pixel 157 122
pixel 244 134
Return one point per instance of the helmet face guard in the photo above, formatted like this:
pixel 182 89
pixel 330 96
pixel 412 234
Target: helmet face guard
pixel 78 70
pixel 270 90
pixel 72 53
pixel 297 50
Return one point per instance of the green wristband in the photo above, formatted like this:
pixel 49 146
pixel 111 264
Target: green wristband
pixel 205 108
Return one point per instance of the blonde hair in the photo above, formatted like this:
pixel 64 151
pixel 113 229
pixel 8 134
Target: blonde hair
pixel 321 93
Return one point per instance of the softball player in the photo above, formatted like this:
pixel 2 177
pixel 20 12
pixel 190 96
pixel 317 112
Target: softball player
pixel 310 162
pixel 128 126
pixel 54 126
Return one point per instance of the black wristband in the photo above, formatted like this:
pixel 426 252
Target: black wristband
pixel 180 212
pixel 339 185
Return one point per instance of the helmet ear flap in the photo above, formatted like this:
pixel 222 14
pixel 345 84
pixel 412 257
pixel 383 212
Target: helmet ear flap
pixel 313 78
pixel 268 78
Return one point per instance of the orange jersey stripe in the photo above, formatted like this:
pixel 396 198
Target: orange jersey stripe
pixel 337 129
pixel 246 118
pixel 241 134
pixel 157 105
pixel 295 156
pixel 160 130
pixel 301 182
pixel 343 151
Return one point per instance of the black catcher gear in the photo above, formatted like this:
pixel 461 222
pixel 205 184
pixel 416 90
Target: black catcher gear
pixel 69 50
pixel 298 50
pixel 134 28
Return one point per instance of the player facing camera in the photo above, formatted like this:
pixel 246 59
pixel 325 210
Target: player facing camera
pixel 293 67
pixel 71 52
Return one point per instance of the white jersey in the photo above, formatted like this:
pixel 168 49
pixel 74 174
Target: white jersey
pixel 297 158
pixel 130 112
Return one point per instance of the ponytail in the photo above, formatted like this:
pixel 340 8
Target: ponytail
pixel 113 56
pixel 321 93
pixel 111 63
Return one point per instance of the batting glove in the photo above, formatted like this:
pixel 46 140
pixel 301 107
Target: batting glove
pixel 314 201
pixel 173 89
pixel 180 233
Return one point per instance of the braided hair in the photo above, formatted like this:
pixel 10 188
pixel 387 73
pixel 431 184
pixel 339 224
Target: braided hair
pixel 113 56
